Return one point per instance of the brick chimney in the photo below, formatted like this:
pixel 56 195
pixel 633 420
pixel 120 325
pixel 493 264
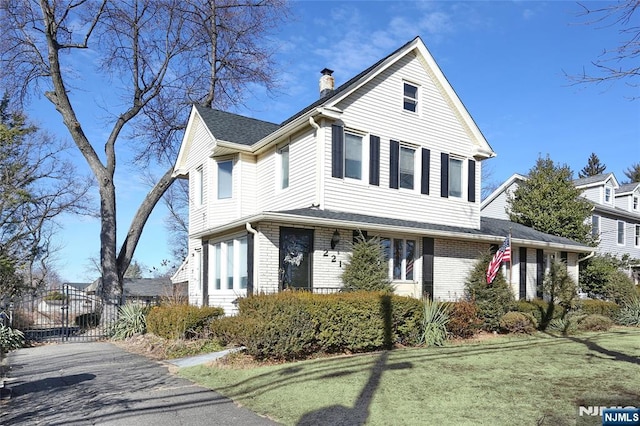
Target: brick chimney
pixel 326 83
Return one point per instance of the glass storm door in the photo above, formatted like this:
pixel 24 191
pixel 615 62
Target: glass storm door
pixel 296 249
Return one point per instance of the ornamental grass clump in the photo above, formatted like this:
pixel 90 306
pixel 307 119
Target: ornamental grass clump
pixel 10 339
pixel 434 323
pixel 629 314
pixel 131 320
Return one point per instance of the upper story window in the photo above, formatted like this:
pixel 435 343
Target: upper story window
pixel 410 97
pixel 407 167
pixel 636 203
pixel 225 179
pixel 595 226
pixel 607 194
pixel 283 160
pixel 455 177
pixel 637 241
pixel 352 156
pixel 199 186
pixel 621 232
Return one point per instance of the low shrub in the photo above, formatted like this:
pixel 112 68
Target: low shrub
pixel 180 321
pixel 131 321
pixel 56 296
pixel 518 322
pixel 595 322
pixel 464 321
pixel 539 309
pixel 566 325
pixel 629 314
pixel 295 325
pixel 599 307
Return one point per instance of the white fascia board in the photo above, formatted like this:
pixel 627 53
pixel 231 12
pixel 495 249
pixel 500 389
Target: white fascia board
pixel 502 188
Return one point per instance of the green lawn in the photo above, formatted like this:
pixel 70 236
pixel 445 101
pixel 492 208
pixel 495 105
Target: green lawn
pixel 506 380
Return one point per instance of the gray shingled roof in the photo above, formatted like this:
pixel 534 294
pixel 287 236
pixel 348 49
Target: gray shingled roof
pixel 148 287
pixel 488 226
pixel 235 128
pixel 591 179
pixel 627 187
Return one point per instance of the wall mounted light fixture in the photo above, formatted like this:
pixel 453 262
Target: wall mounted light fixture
pixel 335 239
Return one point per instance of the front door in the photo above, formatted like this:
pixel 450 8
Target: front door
pixel 296 250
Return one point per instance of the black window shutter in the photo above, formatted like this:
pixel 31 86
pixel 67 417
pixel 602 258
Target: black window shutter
pixel 427 267
pixel 539 272
pixel 471 182
pixel 374 160
pixel 394 164
pixel 522 258
pixel 337 151
pixel 444 175
pixel 426 165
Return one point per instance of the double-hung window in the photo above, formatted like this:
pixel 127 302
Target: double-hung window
pixel 607 194
pixel 407 167
pixel 352 156
pixel 455 177
pixel 621 232
pixel 636 203
pixel 225 179
pixel 283 159
pixel 595 226
pixel 410 97
pixel 637 241
pixel 199 186
pixel 403 259
pixel 229 264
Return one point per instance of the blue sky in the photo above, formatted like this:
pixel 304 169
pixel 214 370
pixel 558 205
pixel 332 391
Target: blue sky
pixel 506 61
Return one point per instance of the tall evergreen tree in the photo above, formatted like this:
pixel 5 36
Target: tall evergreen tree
pixel 549 202
pixel 633 173
pixel 593 168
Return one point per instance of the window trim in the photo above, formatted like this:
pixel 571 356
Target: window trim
pixel 624 233
pixel 218 164
pixel 413 148
pixel 403 262
pixel 280 167
pixel 224 250
pixel 610 191
pixel 453 157
pixel 595 232
pixel 347 133
pixel 199 187
pixel 415 101
pixel 635 203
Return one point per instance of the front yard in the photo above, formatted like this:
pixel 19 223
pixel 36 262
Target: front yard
pixel 526 380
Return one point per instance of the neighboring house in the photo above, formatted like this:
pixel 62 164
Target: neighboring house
pixel 392 153
pixel 148 291
pixel 615 219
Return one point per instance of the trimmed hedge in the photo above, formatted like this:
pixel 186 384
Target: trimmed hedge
pixel 180 321
pixel 595 322
pixel 464 319
pixel 295 325
pixel 600 307
pixel 538 308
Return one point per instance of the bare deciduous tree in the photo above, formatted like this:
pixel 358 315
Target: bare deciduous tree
pixel 157 57
pixel 620 62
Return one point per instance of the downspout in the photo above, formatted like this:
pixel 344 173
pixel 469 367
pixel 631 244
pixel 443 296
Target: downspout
pixel 319 163
pixel 589 256
pixel 255 253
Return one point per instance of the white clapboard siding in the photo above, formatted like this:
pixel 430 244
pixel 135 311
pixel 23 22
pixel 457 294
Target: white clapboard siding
pixel 247 184
pixel 436 128
pixel 197 157
pixel 594 194
pixel 225 210
pixel 302 176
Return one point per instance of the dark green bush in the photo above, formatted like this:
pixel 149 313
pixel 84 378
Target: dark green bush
pixel 493 300
pixel 464 321
pixel 518 322
pixel 180 321
pixel 295 325
pixel 539 309
pixel 599 307
pixel 595 322
pixel 603 277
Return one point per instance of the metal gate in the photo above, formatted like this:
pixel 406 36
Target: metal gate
pixel 62 315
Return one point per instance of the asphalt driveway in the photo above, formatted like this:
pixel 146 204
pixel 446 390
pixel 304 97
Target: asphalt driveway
pixel 99 383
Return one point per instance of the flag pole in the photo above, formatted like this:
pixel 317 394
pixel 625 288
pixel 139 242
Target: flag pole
pixel 510 261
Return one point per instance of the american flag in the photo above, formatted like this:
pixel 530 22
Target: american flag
pixel 502 255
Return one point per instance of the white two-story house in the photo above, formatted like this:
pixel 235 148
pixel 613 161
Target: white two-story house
pixel 615 218
pixel 391 153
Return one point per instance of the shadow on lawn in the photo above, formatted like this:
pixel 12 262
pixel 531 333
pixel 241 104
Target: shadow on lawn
pixel 617 356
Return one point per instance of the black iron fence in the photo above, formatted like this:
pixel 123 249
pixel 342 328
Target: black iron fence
pixel 62 315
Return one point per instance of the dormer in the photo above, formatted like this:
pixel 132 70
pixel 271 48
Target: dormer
pixel 600 189
pixel 627 197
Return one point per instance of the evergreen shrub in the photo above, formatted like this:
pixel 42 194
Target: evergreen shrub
pixel 295 325
pixel 595 322
pixel 518 322
pixel 180 321
pixel 600 307
pixel 464 321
